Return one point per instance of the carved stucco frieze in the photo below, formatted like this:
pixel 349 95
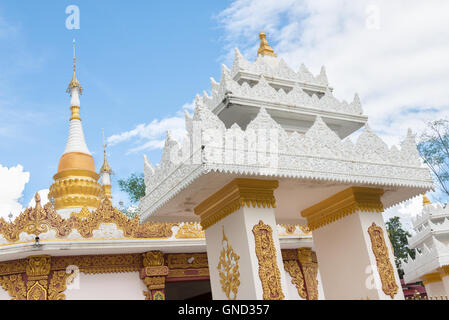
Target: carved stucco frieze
pixel 319 154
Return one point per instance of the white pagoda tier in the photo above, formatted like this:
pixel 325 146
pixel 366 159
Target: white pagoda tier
pixel 431 241
pixel 266 148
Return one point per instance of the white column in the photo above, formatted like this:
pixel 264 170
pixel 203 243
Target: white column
pixel 445 282
pixel 242 241
pixel 435 289
pixel 433 282
pixel 354 253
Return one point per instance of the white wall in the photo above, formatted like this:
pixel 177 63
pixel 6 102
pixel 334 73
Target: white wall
pixel 4 294
pixel 435 289
pixel 108 286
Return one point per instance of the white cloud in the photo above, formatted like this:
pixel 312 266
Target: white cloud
pixel 406 212
pixel 13 181
pixel 152 135
pixel 400 69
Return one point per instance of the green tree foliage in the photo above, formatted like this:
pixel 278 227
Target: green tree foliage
pixel 134 186
pixel 433 147
pixel 398 239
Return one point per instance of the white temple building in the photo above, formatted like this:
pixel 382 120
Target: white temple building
pixel 265 198
pixel 431 241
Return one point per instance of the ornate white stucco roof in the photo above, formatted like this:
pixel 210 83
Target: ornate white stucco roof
pixel 268 72
pixel 431 239
pixel 318 155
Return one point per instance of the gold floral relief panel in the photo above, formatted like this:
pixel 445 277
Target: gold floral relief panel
pixel 228 269
pixel 269 273
pixel 293 269
pixel 384 266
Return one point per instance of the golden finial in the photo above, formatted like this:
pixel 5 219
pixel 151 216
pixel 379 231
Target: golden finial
pixel 74 83
pixel 105 168
pixel 265 49
pixel 425 200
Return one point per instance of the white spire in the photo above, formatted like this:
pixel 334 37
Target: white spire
pixel 76 141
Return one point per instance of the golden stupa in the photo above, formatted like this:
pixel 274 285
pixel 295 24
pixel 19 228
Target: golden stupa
pixel 76 182
pixel 265 49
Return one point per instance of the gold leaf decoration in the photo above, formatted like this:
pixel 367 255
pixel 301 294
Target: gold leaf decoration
pixel 15 285
pixel 100 263
pixel 269 273
pixel 190 230
pixel 293 269
pixel 39 220
pixel 37 290
pixel 153 258
pixel 58 284
pixel 228 269
pixel 187 260
pixel 384 266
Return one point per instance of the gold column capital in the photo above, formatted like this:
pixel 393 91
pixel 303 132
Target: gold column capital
pixel 38 267
pixel 342 204
pixel 153 259
pixel 154 274
pixel 235 195
pixel 432 277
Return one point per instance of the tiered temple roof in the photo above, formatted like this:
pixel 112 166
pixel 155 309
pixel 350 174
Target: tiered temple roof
pixel 263 119
pixel 292 98
pixel 431 239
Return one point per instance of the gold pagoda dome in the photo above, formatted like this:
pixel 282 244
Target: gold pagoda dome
pixel 76 182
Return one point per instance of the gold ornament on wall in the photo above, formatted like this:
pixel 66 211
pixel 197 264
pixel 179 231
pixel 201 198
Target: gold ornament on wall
pixel 228 269
pixel 40 219
pixel 153 259
pixel 44 277
pixel 269 273
pixel 293 269
pixel 187 260
pixel 302 266
pixel 58 284
pixel 384 266
pixel 15 286
pixel 190 230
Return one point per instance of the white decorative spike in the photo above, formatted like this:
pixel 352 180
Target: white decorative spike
pixel 188 121
pixel 356 105
pixel 148 165
pixel 322 77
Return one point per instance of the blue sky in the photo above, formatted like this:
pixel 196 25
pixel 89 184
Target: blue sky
pixel 136 62
pixel 142 62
